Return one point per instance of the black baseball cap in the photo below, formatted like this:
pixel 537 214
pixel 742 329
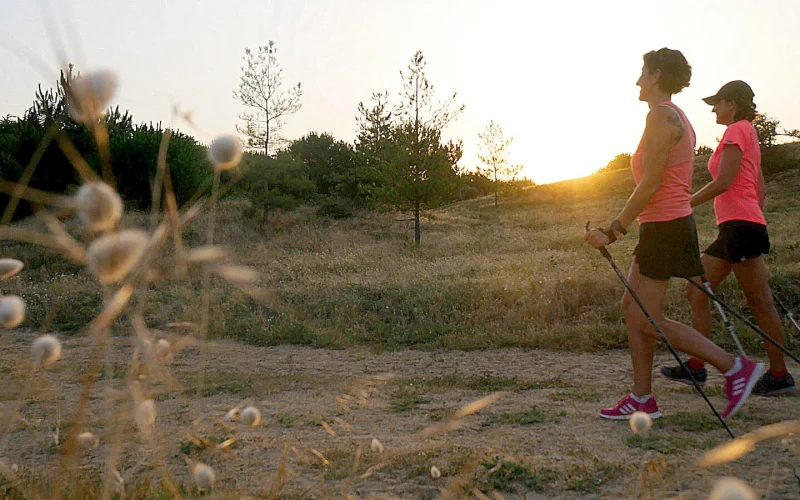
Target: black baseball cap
pixel 736 90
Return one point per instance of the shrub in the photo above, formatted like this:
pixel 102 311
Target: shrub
pixel 335 207
pixel 281 184
pixel 777 159
pixel 620 162
pixel 133 149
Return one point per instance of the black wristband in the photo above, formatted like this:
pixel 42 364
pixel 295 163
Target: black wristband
pixel 617 226
pixel 610 233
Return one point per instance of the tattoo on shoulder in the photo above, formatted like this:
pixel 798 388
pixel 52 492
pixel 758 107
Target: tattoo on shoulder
pixel 677 125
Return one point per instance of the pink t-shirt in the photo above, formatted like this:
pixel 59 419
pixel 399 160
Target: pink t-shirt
pixel 740 201
pixel 673 198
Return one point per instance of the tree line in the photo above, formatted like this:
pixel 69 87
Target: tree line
pixel 399 159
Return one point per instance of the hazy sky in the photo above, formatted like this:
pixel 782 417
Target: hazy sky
pixel 557 76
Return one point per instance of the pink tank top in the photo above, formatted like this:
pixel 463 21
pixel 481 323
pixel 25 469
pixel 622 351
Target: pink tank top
pixel 674 195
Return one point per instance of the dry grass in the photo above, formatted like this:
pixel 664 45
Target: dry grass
pixel 519 275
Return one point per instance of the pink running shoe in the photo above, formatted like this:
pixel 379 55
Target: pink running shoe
pixel 627 406
pixel 739 385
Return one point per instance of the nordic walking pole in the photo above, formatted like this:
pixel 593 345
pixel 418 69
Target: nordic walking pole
pixel 786 311
pixel 652 321
pixel 746 321
pixel 724 317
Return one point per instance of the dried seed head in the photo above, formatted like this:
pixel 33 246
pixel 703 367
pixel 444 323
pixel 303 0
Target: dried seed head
pixel 640 422
pixel 792 445
pixel 90 94
pixel 88 441
pixel 205 254
pixel 183 325
pixel 12 311
pixel 204 476
pixel 225 152
pixel 731 488
pixel 435 472
pixel 99 206
pixel 146 416
pixel 163 348
pixel 376 446
pixel 46 350
pixel 111 257
pixel 231 413
pixel 10 267
pixel 251 416
pixel 236 274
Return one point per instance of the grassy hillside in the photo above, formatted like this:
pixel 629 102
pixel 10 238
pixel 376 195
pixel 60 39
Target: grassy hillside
pixel 517 275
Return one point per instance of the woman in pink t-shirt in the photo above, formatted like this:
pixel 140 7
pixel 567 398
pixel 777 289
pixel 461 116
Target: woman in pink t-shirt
pixel 662 168
pixel 738 192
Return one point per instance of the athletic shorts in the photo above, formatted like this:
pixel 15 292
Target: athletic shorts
pixel 739 240
pixel 669 249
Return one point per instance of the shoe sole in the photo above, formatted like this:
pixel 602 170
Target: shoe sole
pixel 757 372
pixel 684 381
pixel 779 392
pixel 653 415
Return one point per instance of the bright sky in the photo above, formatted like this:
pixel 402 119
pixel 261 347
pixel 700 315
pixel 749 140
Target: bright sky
pixel 557 76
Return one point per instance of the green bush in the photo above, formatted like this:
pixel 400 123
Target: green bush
pixel 778 159
pixel 620 162
pixel 329 163
pixel 281 184
pixel 134 155
pixel 133 149
pixel 335 207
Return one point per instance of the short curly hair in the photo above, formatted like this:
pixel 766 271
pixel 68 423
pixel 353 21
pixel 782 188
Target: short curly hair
pixel 675 70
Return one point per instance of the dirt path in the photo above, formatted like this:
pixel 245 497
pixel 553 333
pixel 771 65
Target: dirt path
pixel 543 432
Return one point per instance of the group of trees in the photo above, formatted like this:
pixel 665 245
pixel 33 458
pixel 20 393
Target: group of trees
pixel 399 158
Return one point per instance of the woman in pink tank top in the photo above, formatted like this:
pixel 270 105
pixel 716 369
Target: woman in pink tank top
pixel 738 192
pixel 662 168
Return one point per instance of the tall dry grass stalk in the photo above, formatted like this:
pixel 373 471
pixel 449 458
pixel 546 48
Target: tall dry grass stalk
pixel 121 261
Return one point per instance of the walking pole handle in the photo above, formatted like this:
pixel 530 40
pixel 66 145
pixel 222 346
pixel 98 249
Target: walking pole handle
pixel 602 250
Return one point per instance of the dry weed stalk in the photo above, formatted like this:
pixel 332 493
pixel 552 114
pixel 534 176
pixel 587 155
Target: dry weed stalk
pixel 122 261
pixel 451 424
pixel 743 445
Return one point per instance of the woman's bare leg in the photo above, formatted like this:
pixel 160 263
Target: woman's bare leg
pixel 716 271
pixel 642 335
pixel 752 277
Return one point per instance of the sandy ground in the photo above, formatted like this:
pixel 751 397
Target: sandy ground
pixel 357 395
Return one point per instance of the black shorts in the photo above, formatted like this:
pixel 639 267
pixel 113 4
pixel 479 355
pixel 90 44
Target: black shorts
pixel 739 240
pixel 669 249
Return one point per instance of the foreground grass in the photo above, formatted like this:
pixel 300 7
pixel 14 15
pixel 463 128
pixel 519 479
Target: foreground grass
pixel 484 277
